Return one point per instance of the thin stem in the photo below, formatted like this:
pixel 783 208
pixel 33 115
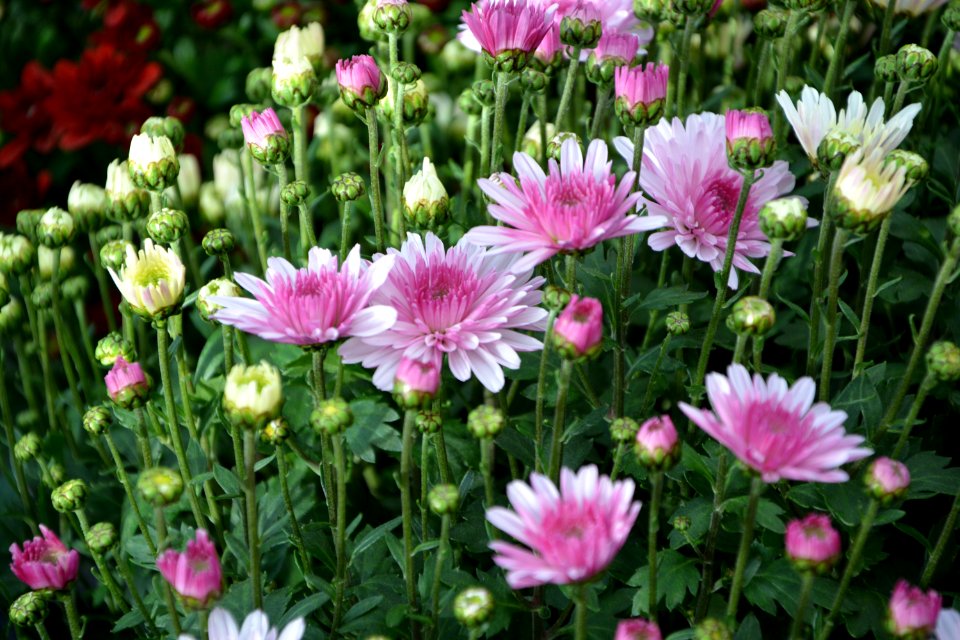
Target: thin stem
pixel 899 99
pixel 284 210
pixel 259 235
pixel 806 586
pixel 783 70
pixel 376 201
pixel 522 122
pixel 886 29
pixel 469 164
pixel 739 348
pixel 707 572
pixel 299 130
pixel 684 55
pixel 940 547
pixel 80 310
pixel 424 486
pixel 542 117
pixel 486 134
pixel 143 439
pixel 559 419
pixel 131 582
pixel 42 631
pixel 441 447
pixel 26 381
pixel 832 317
pixel 345 230
pixel 438 570
pixel 106 577
pixel 487 452
pixel 73 618
pixel 128 489
pixel 766 46
pixel 406 503
pixel 341 530
pixel 749 519
pixel 15 464
pixel 101 276
pixel 227 335
pixel 541 388
pixel 499 115
pixel 600 113
pixel 871 294
pixel 580 620
pixel 929 382
pixel 839 47
pixel 617 460
pixel 656 490
pixel 770 267
pixel 253 530
pixel 567 90
pixel 283 471
pixel 66 354
pixel 819 271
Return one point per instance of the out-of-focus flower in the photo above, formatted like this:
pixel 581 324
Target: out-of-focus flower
pixel 887 479
pixel 186 195
pixel 26 120
pixel 948 625
pixel 301 42
pixel 812 543
pixel 637 629
pixel 913 8
pixel 195 573
pixel 416 382
pixel 256 626
pixel 508 31
pixel 211 14
pixel 911 613
pixel 578 331
pixel 45 562
pixel 657 444
pixel 151 280
pixel 129 26
pixel 473 606
pixel 866 191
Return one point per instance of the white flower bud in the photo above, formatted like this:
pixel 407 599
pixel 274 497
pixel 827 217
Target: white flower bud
pixel 425 201
pixel 151 280
pixel 216 287
pixel 253 395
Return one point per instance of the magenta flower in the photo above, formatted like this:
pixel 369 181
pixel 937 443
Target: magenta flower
pixel 312 305
pixel 578 330
pixel 637 629
pixel 195 573
pixel 619 47
pixel 462 303
pixel 361 81
pixel 657 443
pixel 688 181
pixel 812 543
pixel 550 50
pixel 887 479
pixel 641 92
pixel 126 380
pixel 572 534
pixel 258 127
pixel 573 208
pixel 45 562
pixel 912 613
pixel 777 430
pixel 507 26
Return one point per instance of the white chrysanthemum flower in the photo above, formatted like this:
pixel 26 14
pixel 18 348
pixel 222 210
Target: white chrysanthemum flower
pixel 253 395
pixel 867 190
pixel 151 280
pixel 256 626
pixel 913 8
pixel 296 42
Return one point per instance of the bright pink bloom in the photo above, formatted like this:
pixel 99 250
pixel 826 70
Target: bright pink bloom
pixel 125 377
pixel 812 542
pixel 912 613
pixel 194 573
pixel 641 85
pixel 572 534
pixel 416 376
pixel 621 47
pixel 777 430
pixel 637 629
pixel 686 175
pixel 359 74
pixel 657 440
pixel 746 125
pixel 312 305
pixel 579 327
pixel 463 303
pixel 507 25
pixel 45 563
pixel 948 625
pixel 887 478
pixel 257 127
pixel 575 207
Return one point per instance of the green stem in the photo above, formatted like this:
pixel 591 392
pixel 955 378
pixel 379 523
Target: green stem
pixel 749 519
pixel 739 349
pixel 438 571
pixel 499 115
pixel 424 486
pixel 899 99
pixel 227 335
pixel 406 503
pixel 441 447
pixel 65 354
pixel 832 317
pixel 541 388
pixel 559 419
pixel 763 64
pixel 284 211
pixel 617 460
pixel 73 618
pixel 42 631
pixel 283 471
pixel 870 295
pixel 839 47
pixel 298 126
pixel 253 205
pixel 684 55
pixel 15 464
pixel 345 230
pixel 469 163
pixel 886 29
pixel 341 530
pixel 143 439
pixel 522 122
pixel 253 529
pixel 783 70
pixel 486 135
pixel 580 619
pixel 106 577
pixel 376 201
pixel 929 382
pixel 819 270
pixel 26 377
pixel 80 310
pixel 716 515
pixel 770 267
pixel 101 276
pixel 600 113
pixel 171 603
pixel 542 117
pixel 128 489
pixel 487 451
pixel 940 547
pixel 131 582
pixel 648 394
pixel 567 90
pixel 656 490
pixel 805 588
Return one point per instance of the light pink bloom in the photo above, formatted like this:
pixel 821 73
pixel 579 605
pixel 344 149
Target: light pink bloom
pixel 257 127
pixel 911 612
pixel 621 47
pixel 507 25
pixel 887 478
pixel 641 85
pixel 573 208
pixel 125 376
pixel 463 303
pixel 689 182
pixel 418 377
pixel 572 534
pixel 777 430
pixel 948 625
pixel 637 629
pixel 312 305
pixel 812 541
pixel 45 562
pixel 746 125
pixel 195 573
pixel 359 74
pixel 579 327
pixel 657 438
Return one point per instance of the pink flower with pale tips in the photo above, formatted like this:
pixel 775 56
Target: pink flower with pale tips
pixel 887 479
pixel 125 377
pixel 812 542
pixel 463 303
pixel 574 207
pixel 312 305
pixel 570 535
pixel 642 84
pixel 617 46
pixel 776 429
pixel 195 573
pixel 912 613
pixel 746 125
pixel 637 629
pixel 579 327
pixel 504 26
pixel 45 562
pixel 688 182
pixel 258 127
pixel 359 75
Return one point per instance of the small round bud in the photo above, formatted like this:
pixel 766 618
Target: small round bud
pixel 166 226
pixel 581 28
pixel 275 432
pixel 915 64
pixel 624 430
pixel 218 242
pixel 657 444
pixel 691 7
pixel 57 474
pixel 295 193
pixel 677 323
pixel 16 254
pixel 484 92
pixel 331 416
pixel 943 361
pixel 812 544
pixel 392 16
pixel 114 254
pixel 681 523
pixel 486 422
pixel 834 149
pixel 712 629
pixel 348 187
pixel 953 221
pixel 111 346
pixel 751 316
pixel 172 128
pixel 443 499
pixel 887 480
pixel 87 203
pixel 240 111
pixel 914 166
pixel 783 219
pixel 473 606
pixel 406 73
pixel 534 81
pixel 56 228
pixel 951 16
pixel 469 104
pixel 11 317
pixel 27 221
pixel 70 496
pixel 555 298
pixel 27 447
pixel 885 68
pixel 29 609
pixel 216 287
pixel 75 288
pixel 259 84
pixel 578 331
pixel 96 420
pixel 109 233
pixel 770 23
pixel 102 537
pixel 428 421
pixel 252 395
pixel 160 486
pixel 556 142
pixel 42 296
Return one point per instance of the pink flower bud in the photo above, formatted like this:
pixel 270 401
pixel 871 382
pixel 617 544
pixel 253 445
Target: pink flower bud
pixel 579 328
pixel 127 384
pixel 911 612
pixel 195 573
pixel 637 629
pixel 657 443
pixel 812 543
pixel 750 142
pixel 361 82
pixel 415 382
pixel 265 136
pixel 45 562
pixel 641 92
pixel 887 480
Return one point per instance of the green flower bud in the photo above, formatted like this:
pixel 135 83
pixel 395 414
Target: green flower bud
pixel 331 416
pixel 216 287
pixel 885 68
pixel 294 82
pixel 915 167
pixel 534 81
pixel 770 23
pixel 252 395
pixel 275 432
pixel 406 73
pixel 580 31
pixel 259 84
pixel 296 193
pixel 425 200
pixel 230 139
pixel 160 486
pixel 624 429
pixel 555 298
pixel 915 64
pixel 951 16
pixel 45 262
pixel 16 254
pixel 652 11
pixel 484 92
pixel 101 537
pixel 473 606
pixel 87 203
pixel 712 629
pixel 27 447
pixel 834 149
pixel 677 323
pixel 943 361
pixel 153 162
pixel 368 28
pixel 57 474
pixel 392 16
pixel 114 254
pixel 240 111
pixel 96 420
pixel 469 104
pixel 70 496
pixel 75 288
pixel 348 187
pixel 783 218
pixel 691 7
pixel 953 221
pixel 443 499
pixel 751 316
pixel 681 523
pixel 416 103
pixel 27 221
pixel 166 226
pixel 218 242
pixel 29 609
pixel 111 346
pixel 600 72
pixel 486 422
pixel 556 142
pixel 42 296
pixel 428 421
pixel 509 61
pixel 11 317
pixel 56 228
pixel 172 128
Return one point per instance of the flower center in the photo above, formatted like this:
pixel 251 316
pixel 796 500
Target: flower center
pixel 722 196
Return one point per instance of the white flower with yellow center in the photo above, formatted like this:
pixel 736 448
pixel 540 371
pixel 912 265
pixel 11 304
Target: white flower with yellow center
pixel 866 191
pixel 253 395
pixel 151 280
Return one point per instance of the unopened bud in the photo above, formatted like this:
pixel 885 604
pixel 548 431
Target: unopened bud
pixel 677 323
pixel 581 28
pixel 770 23
pixel 331 416
pixel 392 16
pixel 113 254
pixel 914 166
pixel 887 480
pixel 657 445
pixel 485 422
pixel 624 429
pixel 216 287
pixel 11 317
pixel 556 142
pixel 943 361
pixel 56 228
pixel 166 226
pixel 219 242
pixel 87 203
pixel 27 447
pixel 259 84
pixel 555 298
pixel 916 64
pixel 468 103
pixel 296 193
pixel 275 432
pixel 885 68
pixel 712 629
pixel 473 606
pixel 252 395
pixel 425 200
pixel 102 537
pixel 111 346
pixel 16 254
pixel 751 316
pixel 443 499
pixel 534 81
pixel 70 496
pixel 96 420
pixel 783 218
pixel 160 486
pixel 428 421
pixel 484 92
pixel 348 187
pixel 29 609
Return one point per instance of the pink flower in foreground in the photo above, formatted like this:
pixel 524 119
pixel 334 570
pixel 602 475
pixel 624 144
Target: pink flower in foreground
pixel 195 573
pixel 637 629
pixel 686 175
pixel 573 208
pixel 126 380
pixel 572 534
pixel 312 305
pixel 912 613
pixel 463 303
pixel 578 330
pixel 507 26
pixel 45 562
pixel 777 430
pixel 361 81
pixel 416 382
pixel 812 543
pixel 641 91
pixel 258 127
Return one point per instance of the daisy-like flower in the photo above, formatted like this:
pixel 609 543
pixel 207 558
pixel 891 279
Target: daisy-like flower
pixel 151 280
pixel 256 626
pixel 691 185
pixel 777 430
pixel 45 562
pixel 460 302
pixel 574 207
pixel 313 305
pixel 508 30
pixel 571 535
pixel 913 8
pixel 195 573
pixel 866 191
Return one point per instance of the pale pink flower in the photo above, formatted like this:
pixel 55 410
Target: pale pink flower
pixel 690 184
pixel 746 125
pixel 258 127
pixel 126 378
pixel 550 49
pixel 573 208
pixel 312 305
pixel 657 441
pixel 360 76
pixel 641 85
pixel 812 543
pixel 195 573
pixel 948 625
pixel 619 47
pixel 507 26
pixel 45 562
pixel 463 303
pixel 777 430
pixel 637 629
pixel 912 613
pixel 887 478
pixel 578 330
pixel 571 534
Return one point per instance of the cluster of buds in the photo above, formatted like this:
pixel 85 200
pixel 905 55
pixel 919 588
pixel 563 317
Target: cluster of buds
pixel 641 93
pixel 252 395
pixel 416 383
pixel 578 330
pixel 813 545
pixel 750 141
pixel 332 416
pixel 751 316
pixel 425 200
pixel 657 445
pixel 266 138
pixel 153 162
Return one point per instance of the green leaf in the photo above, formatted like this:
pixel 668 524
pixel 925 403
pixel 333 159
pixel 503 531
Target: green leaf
pixel 227 480
pixel 304 608
pixel 370 538
pixel 128 620
pixel 666 298
pixel 371 429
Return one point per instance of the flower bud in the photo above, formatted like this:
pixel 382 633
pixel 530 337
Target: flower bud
pixel 348 187
pixel 652 11
pixel 751 316
pixel 252 395
pixel 76 288
pixel 473 606
pixel 216 287
pixel 770 23
pixel 29 609
pixel 943 361
pixel 911 613
pixel 111 346
pixel 555 298
pixel 218 242
pixel 834 149
pixel 637 629
pixel 443 499
pixel 615 50
pixel 416 383
pixel 331 416
pixel 114 253
pixel 294 81
pixel 392 16
pixel 681 524
pixel 783 218
pixel 712 629
pixel 259 84
pixel 157 126
pixel 813 545
pixel 534 81
pixel 406 73
pixel 361 82
pixel 127 384
pixel 641 93
pixel 468 102
pixel 266 138
pixel 166 226
pixel 367 27
pixel 16 254
pixel 556 143
pixel 27 447
pixel 101 537
pixel 275 432
pixel 11 317
pixel 887 480
pixel 56 474
pixel 297 43
pixel 885 68
pixel 416 103
pixel 160 486
pixel 484 92
pixel 750 141
pixel 96 420
pixel 27 221
pixel 951 16
pixel 28 419
pixel 428 421
pixel 56 228
pixel 624 430
pixel 657 445
pixel 532 139
pixel 866 191
pixel 578 330
pixel 913 164
pixel 42 296
pixel 691 7
pixel 70 496
pixel 87 203
pixel 581 28
pixel 425 201
pixel 125 202
pixel 485 422
pixel 915 64
pixel 677 323
pixel 153 162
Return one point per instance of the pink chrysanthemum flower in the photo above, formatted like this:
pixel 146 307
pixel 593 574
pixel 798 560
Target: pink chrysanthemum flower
pixel 812 543
pixel 641 90
pixel 572 534
pixel 45 562
pixel 550 49
pixel 578 330
pixel 195 573
pixel 507 26
pixel 126 379
pixel 777 430
pixel 746 125
pixel 637 629
pixel 622 48
pixel 361 81
pixel 911 613
pixel 463 303
pixel 258 127
pixel 313 305
pixel 573 208
pixel 689 182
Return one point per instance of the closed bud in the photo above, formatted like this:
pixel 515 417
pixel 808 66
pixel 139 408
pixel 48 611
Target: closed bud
pixel 361 82
pixel 240 111
pixel 125 202
pixel 750 141
pixel 160 486
pixel 166 226
pixel 16 254
pixel 484 92
pixel 127 384
pixel 485 422
pixel 641 93
pixel 45 262
pixel 27 447
pixel 812 544
pixel 42 296
pixel 534 81
pixel 468 103
pixel 230 139
pixel 770 23
pixel 416 383
pixel 101 537
pixel 652 11
pixel 416 103
pixel 112 346
pixel 425 200
pixel 331 416
pixel 96 420
pixel 275 432
pixel 915 64
pixel 473 607
pixel 834 149
pixel 306 42
pixel 252 395
pixel 172 128
pixel 216 287
pixel 294 82
pixel 914 166
pixel 219 242
pixel 348 187
pixel 677 323
pixel 751 316
pixel 30 609
pixel 428 421
pixel 912 614
pixel 11 316
pixel 866 191
pixel 109 233
pixel 70 496
pixel 885 68
pixel 578 330
pixel 56 475
pixel 556 143
pixel 943 361
pixel 443 499
pixel 368 28
pixel 75 288
pixel 657 445
pixel 951 16
pixel 887 480
pixel 259 84
pixel 153 162
pixel 392 16
pixel 555 298
pixel 265 136
pixel 27 221
pixel 624 430
pixel 712 629
pixel 691 7
pixel 87 203
pixel 581 28
pixel 681 523
pixel 56 228
pixel 406 73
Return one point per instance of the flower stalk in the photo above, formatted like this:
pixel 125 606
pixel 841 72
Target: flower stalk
pixel 806 586
pixel 253 523
pixel 559 419
pixel 653 527
pixel 406 504
pixel 832 317
pixel 568 89
pixel 743 554
pixel 376 202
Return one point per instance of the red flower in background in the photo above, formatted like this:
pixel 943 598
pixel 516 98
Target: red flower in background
pixel 22 116
pixel 286 14
pixel 211 14
pixel 129 26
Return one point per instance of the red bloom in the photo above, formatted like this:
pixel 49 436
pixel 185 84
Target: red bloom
pixel 286 14
pixel 23 117
pixel 128 25
pixel 99 97
pixel 211 14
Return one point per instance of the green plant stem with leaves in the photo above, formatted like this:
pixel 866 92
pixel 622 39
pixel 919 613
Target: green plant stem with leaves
pixel 406 504
pixel 60 330
pixel 653 527
pixel 600 112
pixel 565 98
pixel 376 201
pixel 784 60
pixel 541 389
pixel 743 553
pixel 106 576
pixel 131 583
pixel 559 419
pixel 832 317
pixel 15 464
pixel 819 271
pixel 128 490
pixel 806 586
pixel 100 275
pixel 942 541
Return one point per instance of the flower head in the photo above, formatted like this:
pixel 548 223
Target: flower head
pixel 362 84
pixel 153 161
pixel 256 626
pixel 912 613
pixel 777 430
pixel 620 47
pixel 508 31
pixel 301 43
pixel 572 534
pixel 637 629
pixel 195 573
pixel 866 191
pixel 416 382
pixel 887 480
pixel 127 384
pixel 812 543
pixel 948 625
pixel 750 142
pixel 265 136
pixel 578 330
pixel 657 443
pixel 151 280
pixel 912 8
pixel 45 562
pixel 690 184
pixel 574 207
pixel 313 305
pixel 462 303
